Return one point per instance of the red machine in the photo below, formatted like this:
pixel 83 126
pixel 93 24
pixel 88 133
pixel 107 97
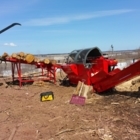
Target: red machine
pixel 92 67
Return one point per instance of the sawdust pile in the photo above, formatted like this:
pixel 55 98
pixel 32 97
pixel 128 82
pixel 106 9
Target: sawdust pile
pixel 131 85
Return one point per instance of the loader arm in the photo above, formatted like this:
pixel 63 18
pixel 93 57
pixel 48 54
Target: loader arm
pixel 112 80
pixel 8 27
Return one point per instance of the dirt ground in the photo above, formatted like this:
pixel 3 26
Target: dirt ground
pixel 113 116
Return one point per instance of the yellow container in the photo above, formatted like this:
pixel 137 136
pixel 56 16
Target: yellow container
pixel 46 96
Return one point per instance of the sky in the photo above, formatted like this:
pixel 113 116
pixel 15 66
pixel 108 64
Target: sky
pixel 61 26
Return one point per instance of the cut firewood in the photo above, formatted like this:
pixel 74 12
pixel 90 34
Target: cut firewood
pixel 22 58
pixel 53 62
pixel 49 61
pixel 14 55
pixel 86 91
pixel 21 54
pixel 29 58
pixel 5 55
pixel 18 57
pixel 78 87
pixel 46 61
pixel 36 60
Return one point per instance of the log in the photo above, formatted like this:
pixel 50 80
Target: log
pixel 53 62
pixel 22 54
pixel 46 61
pixel 29 58
pixel 14 55
pixel 5 55
pixel 18 57
pixel 49 61
pixel 22 58
pixel 87 91
pixel 37 60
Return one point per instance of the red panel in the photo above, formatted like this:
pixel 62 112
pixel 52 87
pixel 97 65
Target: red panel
pixel 120 76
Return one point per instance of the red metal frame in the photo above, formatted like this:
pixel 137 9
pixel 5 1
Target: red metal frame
pixel 16 65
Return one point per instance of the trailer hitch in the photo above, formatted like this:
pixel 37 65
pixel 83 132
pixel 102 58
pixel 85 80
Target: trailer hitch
pixel 8 27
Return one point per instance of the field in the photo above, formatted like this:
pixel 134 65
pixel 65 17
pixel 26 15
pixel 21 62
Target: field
pixel 109 116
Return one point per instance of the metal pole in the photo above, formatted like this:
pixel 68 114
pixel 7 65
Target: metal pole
pixel 112 49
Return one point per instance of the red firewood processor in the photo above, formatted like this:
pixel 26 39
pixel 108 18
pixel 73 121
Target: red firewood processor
pixel 93 68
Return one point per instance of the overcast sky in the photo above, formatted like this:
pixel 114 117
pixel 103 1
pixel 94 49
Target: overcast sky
pixel 61 26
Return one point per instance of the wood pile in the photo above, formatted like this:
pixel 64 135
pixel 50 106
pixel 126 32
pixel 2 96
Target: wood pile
pixel 27 57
